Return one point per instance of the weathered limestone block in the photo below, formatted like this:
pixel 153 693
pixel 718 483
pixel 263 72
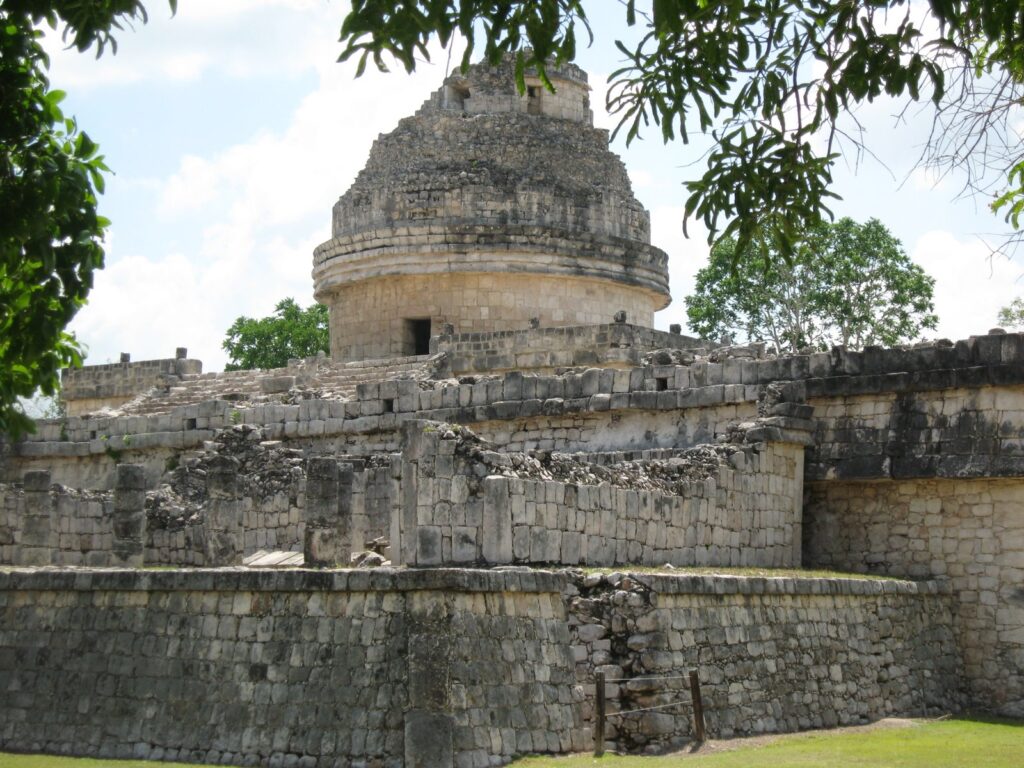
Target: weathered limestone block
pixel 497 523
pixel 328 513
pixel 129 521
pixel 37 534
pixel 224 531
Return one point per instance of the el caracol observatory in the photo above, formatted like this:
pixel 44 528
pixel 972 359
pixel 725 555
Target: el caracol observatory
pixel 485 210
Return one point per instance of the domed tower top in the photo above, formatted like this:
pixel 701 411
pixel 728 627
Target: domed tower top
pixel 485 209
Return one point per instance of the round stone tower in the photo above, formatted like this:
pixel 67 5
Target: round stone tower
pixel 484 210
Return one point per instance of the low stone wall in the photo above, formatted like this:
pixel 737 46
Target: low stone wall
pixel 108 386
pixel 967 531
pixel 304 668
pixel 546 349
pixel 71 527
pixel 445 668
pixel 773 654
pixel 953 410
pixel 736 505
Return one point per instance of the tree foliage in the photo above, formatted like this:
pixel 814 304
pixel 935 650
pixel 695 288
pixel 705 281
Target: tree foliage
pixel 50 173
pixel 269 342
pixel 769 81
pixel 847 283
pixel 1012 315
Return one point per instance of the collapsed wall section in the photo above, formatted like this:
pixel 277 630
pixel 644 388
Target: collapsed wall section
pixel 722 505
pixel 773 654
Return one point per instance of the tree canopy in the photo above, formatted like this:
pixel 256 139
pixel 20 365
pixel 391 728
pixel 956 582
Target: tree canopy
pixel 50 174
pixel 1012 315
pixel 769 81
pixel 269 342
pixel 847 283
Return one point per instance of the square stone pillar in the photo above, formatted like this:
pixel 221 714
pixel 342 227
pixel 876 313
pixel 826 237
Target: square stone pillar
pixel 223 513
pixel 327 515
pixel 129 516
pixel 37 533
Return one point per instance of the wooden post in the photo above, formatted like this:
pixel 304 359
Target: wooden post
pixel 698 706
pixel 599 717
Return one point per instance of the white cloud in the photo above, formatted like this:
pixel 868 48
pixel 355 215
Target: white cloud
pixel 686 255
pixel 926 178
pixel 970 284
pixel 259 208
pixel 237 38
pixel 186 66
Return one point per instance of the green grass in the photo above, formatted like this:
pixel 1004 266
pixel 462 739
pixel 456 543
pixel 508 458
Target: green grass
pixel 788 573
pixel 8 760
pixel 944 744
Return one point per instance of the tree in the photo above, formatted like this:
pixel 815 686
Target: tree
pixel 50 173
pixel 270 342
pixel 848 283
pixel 775 83
pixel 1012 315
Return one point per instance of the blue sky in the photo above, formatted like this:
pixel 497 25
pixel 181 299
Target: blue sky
pixel 232 130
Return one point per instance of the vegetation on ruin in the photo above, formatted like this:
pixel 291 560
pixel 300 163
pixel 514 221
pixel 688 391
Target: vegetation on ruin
pixel 846 283
pixel 51 171
pixel 1012 315
pixel 776 85
pixel 936 744
pixel 269 342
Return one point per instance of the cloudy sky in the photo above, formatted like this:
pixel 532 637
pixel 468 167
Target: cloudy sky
pixel 232 130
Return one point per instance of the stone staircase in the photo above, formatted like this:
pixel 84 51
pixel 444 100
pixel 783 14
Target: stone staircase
pixel 318 378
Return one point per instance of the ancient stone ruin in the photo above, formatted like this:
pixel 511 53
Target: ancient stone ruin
pixel 422 550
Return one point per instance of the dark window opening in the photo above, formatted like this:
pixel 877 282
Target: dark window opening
pixel 389 405
pixel 417 333
pixel 661 383
pixel 190 423
pixel 458 95
pixel 533 100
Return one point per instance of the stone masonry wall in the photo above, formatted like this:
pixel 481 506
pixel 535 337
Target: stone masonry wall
pixel 773 654
pixel 268 514
pixel 81 527
pixel 593 410
pixel 546 349
pixel 368 318
pixel 286 668
pixel 967 531
pixel 736 506
pixel 99 386
pixel 443 668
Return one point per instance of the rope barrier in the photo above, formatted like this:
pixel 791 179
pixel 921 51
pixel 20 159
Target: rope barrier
pixel 645 709
pixel 601 713
pixel 645 677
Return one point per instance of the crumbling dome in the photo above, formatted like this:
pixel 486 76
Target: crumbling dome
pixel 484 210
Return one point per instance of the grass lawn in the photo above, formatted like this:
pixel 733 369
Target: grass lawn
pixel 942 744
pixel 935 744
pixel 8 760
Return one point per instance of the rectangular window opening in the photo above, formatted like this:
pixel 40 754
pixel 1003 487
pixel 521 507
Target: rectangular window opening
pixel 389 405
pixel 417 336
pixel 661 383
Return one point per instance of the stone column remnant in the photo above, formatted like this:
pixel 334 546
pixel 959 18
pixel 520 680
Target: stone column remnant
pixel 129 516
pixel 223 513
pixel 37 522
pixel 328 513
